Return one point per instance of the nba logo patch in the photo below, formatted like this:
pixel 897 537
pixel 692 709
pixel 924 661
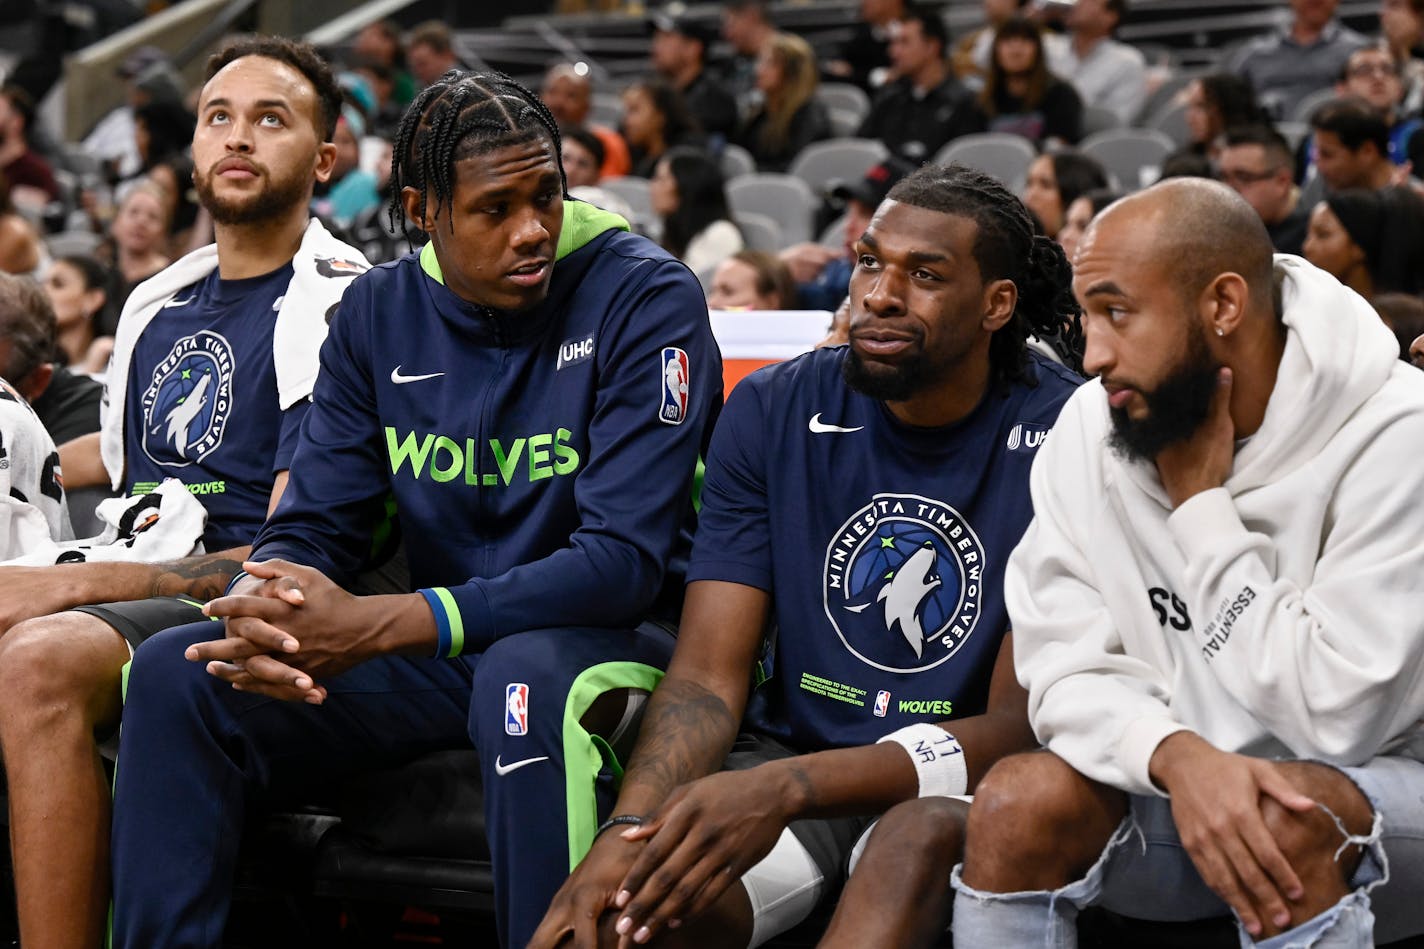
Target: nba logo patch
pixel 516 709
pixel 674 376
pixel 882 704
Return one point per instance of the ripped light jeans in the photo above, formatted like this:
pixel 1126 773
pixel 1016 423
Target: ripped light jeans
pixel 1144 872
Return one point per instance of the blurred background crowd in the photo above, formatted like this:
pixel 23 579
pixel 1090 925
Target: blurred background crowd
pixel 751 139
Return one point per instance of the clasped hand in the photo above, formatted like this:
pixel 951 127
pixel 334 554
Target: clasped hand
pixel 287 625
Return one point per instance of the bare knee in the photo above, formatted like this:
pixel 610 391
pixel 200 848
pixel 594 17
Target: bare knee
pixel 928 832
pixel 1034 811
pixel 59 665
pixel 1313 839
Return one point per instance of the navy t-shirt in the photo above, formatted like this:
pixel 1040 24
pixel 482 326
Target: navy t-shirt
pixel 202 404
pixel 883 545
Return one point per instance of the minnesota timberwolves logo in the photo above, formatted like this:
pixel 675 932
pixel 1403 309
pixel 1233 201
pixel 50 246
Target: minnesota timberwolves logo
pixel 186 408
pixel 902 582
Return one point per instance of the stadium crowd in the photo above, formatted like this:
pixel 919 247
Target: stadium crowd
pixel 346 358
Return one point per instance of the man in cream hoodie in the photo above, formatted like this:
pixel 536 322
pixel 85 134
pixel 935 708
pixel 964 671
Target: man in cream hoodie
pixel 1218 611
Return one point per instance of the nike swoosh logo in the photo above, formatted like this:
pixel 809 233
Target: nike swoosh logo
pixel 821 428
pixel 177 303
pixel 400 380
pixel 503 769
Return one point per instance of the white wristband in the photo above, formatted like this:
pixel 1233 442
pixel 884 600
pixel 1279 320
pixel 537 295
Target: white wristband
pixel 938 759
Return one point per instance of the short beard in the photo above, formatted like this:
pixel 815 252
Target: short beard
pixel 887 383
pixel 1176 408
pixel 274 201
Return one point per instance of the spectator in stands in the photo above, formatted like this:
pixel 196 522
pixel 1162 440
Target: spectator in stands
pixel 1370 239
pixel 21 250
pixel 1403 313
pixel 569 96
pixel 1056 180
pixel 583 157
pixel 33 361
pixel 430 52
pixel 970 58
pixel 351 192
pixel 139 236
pixel 147 75
pixel 380 42
pixel 1372 75
pixel 1402 31
pixel 1255 161
pixel 1351 145
pixel 790 116
pixel 925 106
pixel 865 57
pixel 655 118
pixel 1080 214
pixel 1022 96
pixel 679 55
pixel 31 178
pixel 78 288
pixel 752 280
pixel 1215 103
pixel 747 28
pixel 822 273
pixel 1107 74
pixel 689 195
pixel 1306 55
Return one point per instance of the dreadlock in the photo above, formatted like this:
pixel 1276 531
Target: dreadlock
pixel 458 116
pixel 1006 246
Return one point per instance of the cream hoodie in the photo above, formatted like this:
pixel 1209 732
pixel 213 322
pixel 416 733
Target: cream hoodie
pixel 1279 615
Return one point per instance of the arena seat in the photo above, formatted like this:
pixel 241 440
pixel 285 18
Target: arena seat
pixel 759 231
pixel 843 95
pixel 736 161
pixel 1002 154
pixel 1132 156
pixel 838 159
pixel 785 198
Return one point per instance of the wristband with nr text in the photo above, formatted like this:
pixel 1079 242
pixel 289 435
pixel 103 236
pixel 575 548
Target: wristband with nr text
pixel 937 757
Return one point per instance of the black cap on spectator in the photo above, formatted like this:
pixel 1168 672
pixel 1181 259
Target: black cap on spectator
pixel 140 60
pixel 876 184
pixel 703 31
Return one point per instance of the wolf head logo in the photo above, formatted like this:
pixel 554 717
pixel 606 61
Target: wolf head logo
pixel 183 414
pixel 904 593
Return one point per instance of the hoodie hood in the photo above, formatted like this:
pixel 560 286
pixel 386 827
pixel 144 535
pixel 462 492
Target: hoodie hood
pixel 1338 353
pixel 582 223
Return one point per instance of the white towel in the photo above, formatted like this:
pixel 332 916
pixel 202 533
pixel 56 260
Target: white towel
pixel 322 270
pixel 150 528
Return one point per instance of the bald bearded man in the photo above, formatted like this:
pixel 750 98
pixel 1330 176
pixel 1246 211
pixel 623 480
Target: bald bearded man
pixel 1217 611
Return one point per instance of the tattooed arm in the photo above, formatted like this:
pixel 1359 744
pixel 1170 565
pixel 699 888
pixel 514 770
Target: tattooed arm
pixel 27 592
pixel 689 727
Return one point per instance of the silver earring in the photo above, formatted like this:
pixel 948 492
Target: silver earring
pixel 1220 331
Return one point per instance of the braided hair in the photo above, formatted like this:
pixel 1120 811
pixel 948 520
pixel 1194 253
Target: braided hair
pixel 1007 247
pixel 459 116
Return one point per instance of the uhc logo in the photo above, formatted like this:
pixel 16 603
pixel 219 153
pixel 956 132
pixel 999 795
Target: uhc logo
pixel 1026 436
pixel 574 351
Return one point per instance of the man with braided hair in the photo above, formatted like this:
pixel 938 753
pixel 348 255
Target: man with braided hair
pixel 888 674
pixel 506 388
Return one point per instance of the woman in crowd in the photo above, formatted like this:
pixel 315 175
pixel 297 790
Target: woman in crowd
pixel 1022 96
pixel 789 117
pixel 655 119
pixel 752 280
pixel 687 193
pixel 1216 103
pixel 78 290
pixel 1371 240
pixel 1080 213
pixel 1402 30
pixel 1056 180
pixel 139 236
pixel 352 192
